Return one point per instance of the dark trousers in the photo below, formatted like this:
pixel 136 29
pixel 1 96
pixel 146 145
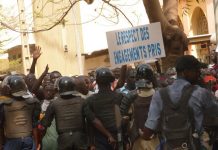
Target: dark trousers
pixel 215 145
pixel 102 144
pixel 101 141
pixel 20 144
pixel 72 141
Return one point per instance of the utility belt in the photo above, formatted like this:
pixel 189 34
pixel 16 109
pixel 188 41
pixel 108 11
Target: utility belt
pixel 21 137
pixel 178 144
pixel 69 131
pixel 18 134
pixel 183 146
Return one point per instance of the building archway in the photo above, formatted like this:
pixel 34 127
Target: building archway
pixel 199 22
pixel 199 28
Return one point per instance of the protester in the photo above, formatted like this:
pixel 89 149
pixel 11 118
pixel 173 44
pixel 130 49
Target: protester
pixel 49 141
pixel 83 86
pixel 172 108
pixel 129 81
pixel 54 76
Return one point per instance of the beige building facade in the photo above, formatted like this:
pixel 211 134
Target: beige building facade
pixel 61 46
pixel 198 22
pixel 95 60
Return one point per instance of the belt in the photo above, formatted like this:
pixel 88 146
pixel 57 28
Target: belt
pixel 70 131
pixel 19 138
pixel 184 146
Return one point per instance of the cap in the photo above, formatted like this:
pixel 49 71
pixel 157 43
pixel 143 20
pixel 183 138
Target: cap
pixel 188 62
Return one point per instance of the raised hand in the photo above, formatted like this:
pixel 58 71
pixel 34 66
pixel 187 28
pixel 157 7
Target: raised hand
pixel 37 52
pixel 46 69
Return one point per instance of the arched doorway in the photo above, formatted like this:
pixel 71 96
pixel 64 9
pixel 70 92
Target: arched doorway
pixel 199 28
pixel 199 22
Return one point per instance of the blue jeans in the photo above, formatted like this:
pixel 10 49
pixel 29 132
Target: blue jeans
pixel 26 143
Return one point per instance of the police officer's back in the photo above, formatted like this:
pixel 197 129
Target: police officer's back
pixel 19 115
pixel 139 100
pixel 101 107
pixel 67 110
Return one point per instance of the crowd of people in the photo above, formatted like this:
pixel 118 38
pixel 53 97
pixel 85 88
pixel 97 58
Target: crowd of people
pixel 121 109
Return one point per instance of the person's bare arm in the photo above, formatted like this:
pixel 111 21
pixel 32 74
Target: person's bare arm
pixel 39 81
pixel 98 125
pixel 146 133
pixel 122 79
pixel 36 54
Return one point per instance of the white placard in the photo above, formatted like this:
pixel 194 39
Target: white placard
pixel 135 44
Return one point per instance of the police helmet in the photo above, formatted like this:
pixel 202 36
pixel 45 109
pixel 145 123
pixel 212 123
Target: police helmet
pixel 66 86
pixel 104 76
pixel 144 76
pixel 17 86
pixel 144 71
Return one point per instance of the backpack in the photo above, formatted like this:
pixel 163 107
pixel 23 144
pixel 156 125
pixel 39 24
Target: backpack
pixel 177 119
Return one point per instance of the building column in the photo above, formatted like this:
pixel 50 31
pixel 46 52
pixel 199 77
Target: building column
pixel 24 37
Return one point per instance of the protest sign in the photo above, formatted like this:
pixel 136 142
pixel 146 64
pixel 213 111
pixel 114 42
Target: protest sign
pixel 135 44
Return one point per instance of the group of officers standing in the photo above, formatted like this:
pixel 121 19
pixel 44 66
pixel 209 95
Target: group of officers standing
pixel 137 116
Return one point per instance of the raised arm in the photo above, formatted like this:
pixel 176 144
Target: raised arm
pixel 36 55
pixel 39 81
pixel 122 78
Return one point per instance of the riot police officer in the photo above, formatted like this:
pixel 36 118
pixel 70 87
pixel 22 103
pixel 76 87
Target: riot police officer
pixel 67 110
pixel 101 111
pixel 140 100
pixel 19 115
